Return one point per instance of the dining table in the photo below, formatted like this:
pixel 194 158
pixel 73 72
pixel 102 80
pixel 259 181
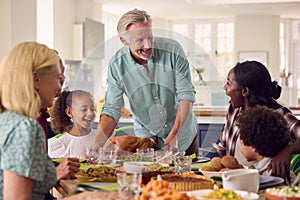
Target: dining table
pixel 67 187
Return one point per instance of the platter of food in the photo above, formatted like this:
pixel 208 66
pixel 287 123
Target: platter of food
pixel 283 193
pixel 188 181
pixel 131 167
pixel 223 194
pixel 98 173
pixel 218 165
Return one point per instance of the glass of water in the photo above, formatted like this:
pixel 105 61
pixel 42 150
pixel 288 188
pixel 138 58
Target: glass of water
pixel 182 164
pixel 107 156
pixel 130 183
pixel 92 156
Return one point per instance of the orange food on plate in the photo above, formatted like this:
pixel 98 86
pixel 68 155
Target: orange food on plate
pixel 130 142
pixel 161 190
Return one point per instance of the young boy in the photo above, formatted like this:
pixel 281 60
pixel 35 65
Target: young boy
pixel 263 134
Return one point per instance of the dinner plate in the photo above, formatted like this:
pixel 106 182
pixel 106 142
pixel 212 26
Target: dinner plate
pixel 244 194
pixel 274 182
pixel 202 160
pixel 263 179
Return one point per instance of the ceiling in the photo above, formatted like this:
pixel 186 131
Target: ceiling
pixel 191 9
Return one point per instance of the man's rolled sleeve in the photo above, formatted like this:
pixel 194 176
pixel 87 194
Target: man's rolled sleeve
pixel 114 101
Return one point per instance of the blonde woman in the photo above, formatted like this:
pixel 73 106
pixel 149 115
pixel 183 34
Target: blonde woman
pixel 30 77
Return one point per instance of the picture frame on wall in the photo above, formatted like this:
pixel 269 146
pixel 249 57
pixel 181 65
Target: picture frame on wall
pixel 260 56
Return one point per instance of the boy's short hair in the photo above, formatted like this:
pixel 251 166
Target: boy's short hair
pixel 264 129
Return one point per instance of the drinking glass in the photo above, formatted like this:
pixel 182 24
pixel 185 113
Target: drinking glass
pixel 160 153
pixel 130 183
pixel 107 156
pixel 92 155
pixel 145 154
pixel 182 164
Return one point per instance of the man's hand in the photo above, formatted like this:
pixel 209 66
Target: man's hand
pixel 67 168
pixel 171 142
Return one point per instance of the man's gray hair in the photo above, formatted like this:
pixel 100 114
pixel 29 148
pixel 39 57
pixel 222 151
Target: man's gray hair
pixel 132 17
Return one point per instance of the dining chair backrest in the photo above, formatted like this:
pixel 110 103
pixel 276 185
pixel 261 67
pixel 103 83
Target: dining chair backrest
pixel 122 130
pixel 295 164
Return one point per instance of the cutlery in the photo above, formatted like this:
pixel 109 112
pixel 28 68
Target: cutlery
pixel 296 180
pixel 169 153
pixel 88 187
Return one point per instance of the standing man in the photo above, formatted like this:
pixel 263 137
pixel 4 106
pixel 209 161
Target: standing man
pixel 154 74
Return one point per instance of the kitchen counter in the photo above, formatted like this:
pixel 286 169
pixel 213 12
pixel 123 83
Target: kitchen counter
pixel 208 115
pixel 200 119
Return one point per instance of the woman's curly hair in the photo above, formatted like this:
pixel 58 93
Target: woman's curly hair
pixel 264 129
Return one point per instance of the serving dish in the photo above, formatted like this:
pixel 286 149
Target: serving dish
pixel 139 167
pixel 244 194
pixel 274 182
pixel 283 193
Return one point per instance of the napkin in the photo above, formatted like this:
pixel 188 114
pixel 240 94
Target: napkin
pixel 84 166
pixel 199 166
pixel 59 160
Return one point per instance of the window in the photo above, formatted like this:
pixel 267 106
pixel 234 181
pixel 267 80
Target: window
pixel 213 49
pixel 282 46
pixel 225 47
pixel 203 36
pixel 296 56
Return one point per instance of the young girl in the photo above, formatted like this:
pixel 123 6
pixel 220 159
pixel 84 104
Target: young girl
pixel 73 115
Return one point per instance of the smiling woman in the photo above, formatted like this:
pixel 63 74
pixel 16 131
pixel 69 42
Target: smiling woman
pixel 249 84
pixel 29 80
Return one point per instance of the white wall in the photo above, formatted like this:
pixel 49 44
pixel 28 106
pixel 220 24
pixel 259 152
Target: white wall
pixel 23 20
pixel 64 18
pixel 18 23
pixel 5 23
pixel 159 23
pixel 45 23
pixel 259 33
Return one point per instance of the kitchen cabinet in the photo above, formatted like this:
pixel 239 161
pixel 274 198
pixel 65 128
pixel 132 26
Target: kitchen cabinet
pixel 209 133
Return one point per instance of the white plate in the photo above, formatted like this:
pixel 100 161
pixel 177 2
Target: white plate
pixel 274 182
pixel 263 179
pixel 202 159
pixel 244 194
